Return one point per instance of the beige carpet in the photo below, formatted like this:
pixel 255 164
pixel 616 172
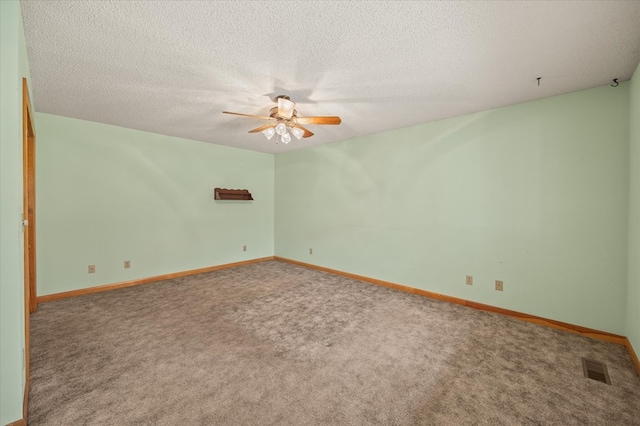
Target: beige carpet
pixel 278 344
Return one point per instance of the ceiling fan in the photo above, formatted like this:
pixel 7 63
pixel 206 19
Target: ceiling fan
pixel 284 121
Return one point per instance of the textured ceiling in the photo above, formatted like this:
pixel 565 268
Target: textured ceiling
pixel 172 67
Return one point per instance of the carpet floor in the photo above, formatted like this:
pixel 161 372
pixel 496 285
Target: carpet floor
pixel 278 344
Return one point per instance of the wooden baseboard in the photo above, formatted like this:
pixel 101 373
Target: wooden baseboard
pixel 21 422
pixel 584 331
pixel 632 354
pixel 107 287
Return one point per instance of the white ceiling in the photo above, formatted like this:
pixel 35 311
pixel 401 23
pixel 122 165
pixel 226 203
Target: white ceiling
pixel 172 67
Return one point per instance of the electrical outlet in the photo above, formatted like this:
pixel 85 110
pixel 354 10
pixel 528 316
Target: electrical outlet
pixel 244 248
pixel 127 264
pixel 499 285
pixel 310 251
pixel 92 269
pixel 469 280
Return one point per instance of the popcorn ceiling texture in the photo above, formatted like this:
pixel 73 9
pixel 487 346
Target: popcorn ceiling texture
pixel 172 67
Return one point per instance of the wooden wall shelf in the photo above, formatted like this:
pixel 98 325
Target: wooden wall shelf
pixel 232 194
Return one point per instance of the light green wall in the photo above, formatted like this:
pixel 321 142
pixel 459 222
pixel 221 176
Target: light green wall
pixel 13 66
pixel 534 194
pixel 633 295
pixel 107 194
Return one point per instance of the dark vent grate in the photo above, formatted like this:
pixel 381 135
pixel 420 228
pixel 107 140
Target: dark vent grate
pixel 595 370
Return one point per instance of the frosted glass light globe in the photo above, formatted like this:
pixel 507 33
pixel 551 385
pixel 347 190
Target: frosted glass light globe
pixel 286 138
pixel 298 133
pixel 269 132
pixel 281 129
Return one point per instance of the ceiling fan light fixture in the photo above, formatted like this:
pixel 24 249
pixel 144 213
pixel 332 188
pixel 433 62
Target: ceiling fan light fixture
pixel 298 133
pixel 285 122
pixel 268 133
pixel 281 129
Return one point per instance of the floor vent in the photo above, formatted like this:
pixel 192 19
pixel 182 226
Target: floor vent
pixel 595 370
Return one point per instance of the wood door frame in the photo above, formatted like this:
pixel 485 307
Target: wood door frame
pixel 29 226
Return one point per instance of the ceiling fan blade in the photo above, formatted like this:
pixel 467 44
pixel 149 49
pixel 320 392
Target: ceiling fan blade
pixel 285 108
pixel 307 132
pixel 261 128
pixel 319 120
pixel 248 115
